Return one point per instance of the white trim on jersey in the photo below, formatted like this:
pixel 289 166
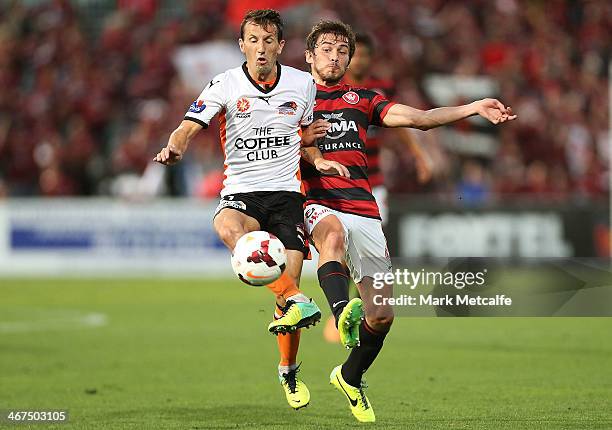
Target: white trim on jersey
pixel 259 127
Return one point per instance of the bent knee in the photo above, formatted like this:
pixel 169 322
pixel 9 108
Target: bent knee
pixel 381 321
pixel 229 234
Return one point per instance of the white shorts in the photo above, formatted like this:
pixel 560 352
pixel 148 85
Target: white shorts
pixel 366 252
pixel 380 194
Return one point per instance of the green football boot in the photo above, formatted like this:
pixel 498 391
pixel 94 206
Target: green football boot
pixel 296 315
pixel 349 322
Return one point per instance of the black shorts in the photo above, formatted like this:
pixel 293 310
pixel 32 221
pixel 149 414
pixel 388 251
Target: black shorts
pixel 278 212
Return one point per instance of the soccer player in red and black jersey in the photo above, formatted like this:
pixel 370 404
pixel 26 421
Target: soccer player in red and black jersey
pixel 342 216
pixel 359 74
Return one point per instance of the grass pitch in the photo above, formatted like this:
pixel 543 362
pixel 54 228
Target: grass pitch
pixel 195 354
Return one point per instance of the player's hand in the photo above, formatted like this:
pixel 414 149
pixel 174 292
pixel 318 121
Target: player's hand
pixel 328 167
pixel 168 156
pixel 494 111
pixel 314 131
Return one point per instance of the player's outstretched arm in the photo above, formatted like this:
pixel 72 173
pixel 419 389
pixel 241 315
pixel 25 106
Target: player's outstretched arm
pixel 313 155
pixel 178 143
pixel 405 116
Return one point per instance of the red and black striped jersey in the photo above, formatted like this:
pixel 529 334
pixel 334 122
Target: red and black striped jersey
pixel 385 88
pixel 350 111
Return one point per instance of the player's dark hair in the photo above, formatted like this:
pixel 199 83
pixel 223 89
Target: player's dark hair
pixel 264 18
pixel 336 28
pixel 366 40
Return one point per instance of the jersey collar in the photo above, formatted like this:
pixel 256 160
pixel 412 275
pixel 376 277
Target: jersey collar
pixel 339 86
pixel 256 85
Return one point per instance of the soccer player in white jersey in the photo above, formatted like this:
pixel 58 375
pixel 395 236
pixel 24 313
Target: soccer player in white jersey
pixel 262 107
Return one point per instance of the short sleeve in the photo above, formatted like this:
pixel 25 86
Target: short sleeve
pixel 208 103
pixel 379 106
pixel 310 103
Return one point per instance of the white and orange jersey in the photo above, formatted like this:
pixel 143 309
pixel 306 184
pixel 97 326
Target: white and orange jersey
pixel 259 127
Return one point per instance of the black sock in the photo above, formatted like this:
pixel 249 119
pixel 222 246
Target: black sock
pixel 335 285
pixel 362 356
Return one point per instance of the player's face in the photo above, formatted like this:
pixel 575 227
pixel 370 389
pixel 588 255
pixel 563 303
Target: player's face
pixel 360 63
pixel 330 58
pixel 261 48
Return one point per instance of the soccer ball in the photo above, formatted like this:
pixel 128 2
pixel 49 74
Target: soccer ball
pixel 259 258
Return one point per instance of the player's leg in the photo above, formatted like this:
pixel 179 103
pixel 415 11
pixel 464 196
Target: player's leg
pixel 291 302
pixel 372 332
pixel 235 216
pixel 287 223
pixel 231 224
pixel 369 243
pixel 330 331
pixel 287 286
pixel 367 255
pixel 241 213
pixel 330 240
pixel 296 392
pixel 299 310
pixel 329 235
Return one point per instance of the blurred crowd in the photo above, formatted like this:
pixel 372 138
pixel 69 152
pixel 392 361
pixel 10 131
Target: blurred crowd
pixel 82 112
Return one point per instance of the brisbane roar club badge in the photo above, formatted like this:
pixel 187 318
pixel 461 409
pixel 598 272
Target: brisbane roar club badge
pixel 243 105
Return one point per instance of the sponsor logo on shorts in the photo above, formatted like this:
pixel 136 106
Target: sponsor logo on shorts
pixel 234 204
pixel 314 214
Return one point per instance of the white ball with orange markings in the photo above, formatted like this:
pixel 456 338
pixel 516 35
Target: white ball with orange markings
pixel 259 258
